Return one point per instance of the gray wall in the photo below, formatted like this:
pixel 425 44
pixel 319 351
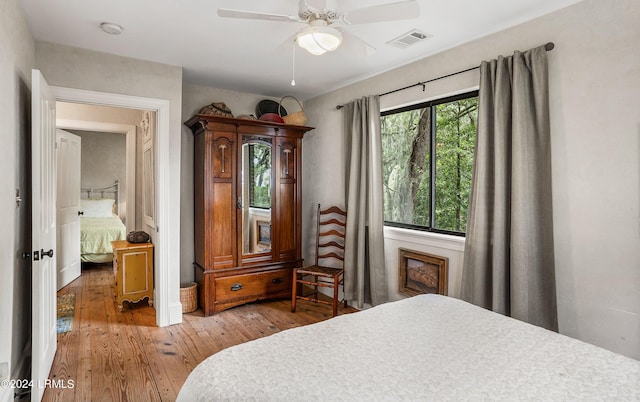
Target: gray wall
pixel 16 62
pixel 595 93
pixel 103 159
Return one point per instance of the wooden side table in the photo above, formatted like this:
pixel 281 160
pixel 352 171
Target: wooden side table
pixel 133 270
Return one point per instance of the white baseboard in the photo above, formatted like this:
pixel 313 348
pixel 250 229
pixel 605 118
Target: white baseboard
pixel 22 371
pixel 6 394
pixel 175 313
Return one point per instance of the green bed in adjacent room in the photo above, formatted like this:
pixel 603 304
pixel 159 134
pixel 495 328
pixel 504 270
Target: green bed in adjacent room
pixel 98 228
pixel 96 235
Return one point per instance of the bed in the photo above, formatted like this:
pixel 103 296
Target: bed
pixel 427 347
pixel 100 223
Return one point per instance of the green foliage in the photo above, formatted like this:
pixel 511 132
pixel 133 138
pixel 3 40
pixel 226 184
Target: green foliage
pixel 260 175
pixel 406 153
pixel 456 136
pixel 262 197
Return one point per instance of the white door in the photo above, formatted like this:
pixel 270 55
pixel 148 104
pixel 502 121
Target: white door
pixel 68 207
pixel 43 198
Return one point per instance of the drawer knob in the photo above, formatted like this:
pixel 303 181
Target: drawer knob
pixel 276 280
pixel 236 286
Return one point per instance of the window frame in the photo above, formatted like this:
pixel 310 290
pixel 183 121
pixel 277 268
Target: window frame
pixel 432 159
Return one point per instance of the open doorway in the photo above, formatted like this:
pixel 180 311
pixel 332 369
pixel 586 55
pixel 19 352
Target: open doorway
pixel 167 244
pixel 116 174
pixel 167 279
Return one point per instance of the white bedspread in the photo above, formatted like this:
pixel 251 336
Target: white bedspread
pixel 427 347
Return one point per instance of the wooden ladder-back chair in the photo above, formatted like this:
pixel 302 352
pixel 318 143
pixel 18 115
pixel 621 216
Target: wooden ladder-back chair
pixel 328 270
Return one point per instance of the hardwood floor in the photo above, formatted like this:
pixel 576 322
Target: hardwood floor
pixel 122 356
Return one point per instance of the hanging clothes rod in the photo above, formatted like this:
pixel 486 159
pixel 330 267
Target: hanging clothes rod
pixel 548 47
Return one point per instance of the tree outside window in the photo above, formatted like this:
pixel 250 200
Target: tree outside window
pixel 259 176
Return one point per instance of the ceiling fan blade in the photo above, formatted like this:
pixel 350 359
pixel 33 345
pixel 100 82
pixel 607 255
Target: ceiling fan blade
pixel 369 49
pixel 226 13
pixel 401 10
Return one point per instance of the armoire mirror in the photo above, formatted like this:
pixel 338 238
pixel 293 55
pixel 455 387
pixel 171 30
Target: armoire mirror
pixel 256 174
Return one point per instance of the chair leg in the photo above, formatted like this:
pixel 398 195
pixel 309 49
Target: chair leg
pixel 315 288
pixel 336 285
pixel 344 299
pixel 294 290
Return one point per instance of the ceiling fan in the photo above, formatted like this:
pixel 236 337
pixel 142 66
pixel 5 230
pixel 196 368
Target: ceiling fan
pixel 324 29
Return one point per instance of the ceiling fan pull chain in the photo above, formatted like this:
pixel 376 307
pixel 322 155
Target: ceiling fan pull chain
pixel 293 65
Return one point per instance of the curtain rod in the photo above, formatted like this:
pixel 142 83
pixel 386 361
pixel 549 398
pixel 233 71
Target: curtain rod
pixel 548 46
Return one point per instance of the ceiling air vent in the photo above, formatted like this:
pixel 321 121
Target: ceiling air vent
pixel 407 39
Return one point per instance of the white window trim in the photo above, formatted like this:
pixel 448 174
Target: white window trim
pixel 439 240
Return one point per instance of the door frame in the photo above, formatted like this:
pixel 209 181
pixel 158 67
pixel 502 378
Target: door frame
pixel 130 168
pixel 167 248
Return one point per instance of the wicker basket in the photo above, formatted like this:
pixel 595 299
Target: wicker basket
pixel 296 118
pixel 189 297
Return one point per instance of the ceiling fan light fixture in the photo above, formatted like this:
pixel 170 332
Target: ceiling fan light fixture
pixel 319 38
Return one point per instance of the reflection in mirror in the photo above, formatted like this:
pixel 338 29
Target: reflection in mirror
pixel 256 196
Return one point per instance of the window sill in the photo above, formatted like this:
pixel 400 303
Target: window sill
pixel 455 243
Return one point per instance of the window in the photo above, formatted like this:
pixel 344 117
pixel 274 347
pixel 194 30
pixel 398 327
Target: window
pixel 427 161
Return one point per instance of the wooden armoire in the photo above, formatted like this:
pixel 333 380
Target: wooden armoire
pixel 247 196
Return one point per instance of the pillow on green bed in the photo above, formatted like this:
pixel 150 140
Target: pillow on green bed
pixel 97 208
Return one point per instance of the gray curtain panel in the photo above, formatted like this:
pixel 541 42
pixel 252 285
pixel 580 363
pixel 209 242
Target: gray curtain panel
pixel 365 278
pixel 508 259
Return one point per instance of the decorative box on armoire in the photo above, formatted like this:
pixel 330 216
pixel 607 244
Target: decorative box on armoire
pixel 247 209
pixel 133 271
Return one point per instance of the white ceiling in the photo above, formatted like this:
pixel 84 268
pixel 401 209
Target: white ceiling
pixel 256 56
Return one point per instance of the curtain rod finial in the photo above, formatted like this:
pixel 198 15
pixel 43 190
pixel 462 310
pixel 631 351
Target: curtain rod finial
pixel 549 46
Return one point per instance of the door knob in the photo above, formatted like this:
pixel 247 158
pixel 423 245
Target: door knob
pixel 47 253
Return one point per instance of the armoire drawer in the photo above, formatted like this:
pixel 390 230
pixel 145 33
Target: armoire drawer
pixel 252 286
